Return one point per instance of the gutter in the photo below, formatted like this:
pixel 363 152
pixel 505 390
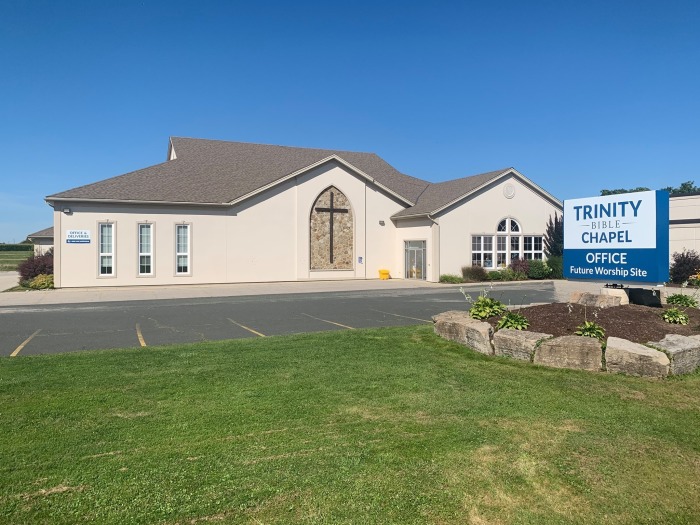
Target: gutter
pixel 51 200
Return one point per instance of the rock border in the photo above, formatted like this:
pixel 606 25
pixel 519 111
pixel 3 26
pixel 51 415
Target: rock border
pixel 673 355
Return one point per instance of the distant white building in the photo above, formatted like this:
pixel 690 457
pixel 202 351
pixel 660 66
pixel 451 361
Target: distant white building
pixel 684 215
pixel 224 212
pixel 42 240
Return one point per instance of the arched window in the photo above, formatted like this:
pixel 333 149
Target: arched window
pixel 331 231
pixel 509 244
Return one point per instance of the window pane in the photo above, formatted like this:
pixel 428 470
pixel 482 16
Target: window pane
pixel 182 238
pixel 476 243
pixel 488 260
pixel 145 238
pixel 515 244
pixel 514 226
pixel 538 243
pixel 502 226
pixel 182 266
pixel 145 264
pixel 488 243
pixel 501 243
pixel 106 265
pixel 501 259
pixel 528 243
pixel 476 259
pixel 105 238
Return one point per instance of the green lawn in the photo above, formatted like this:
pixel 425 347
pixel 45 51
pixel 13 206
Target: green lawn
pixel 368 426
pixel 9 261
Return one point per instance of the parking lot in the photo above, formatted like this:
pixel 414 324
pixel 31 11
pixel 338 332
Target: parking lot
pixel 42 329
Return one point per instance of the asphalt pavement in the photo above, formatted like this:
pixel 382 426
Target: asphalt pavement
pixel 72 320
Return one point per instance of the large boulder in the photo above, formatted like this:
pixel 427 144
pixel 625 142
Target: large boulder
pixel 518 344
pixel 625 357
pixel 594 300
pixel 456 325
pixel 570 351
pixel 683 352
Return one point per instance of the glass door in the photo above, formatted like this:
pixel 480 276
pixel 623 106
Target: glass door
pixel 415 259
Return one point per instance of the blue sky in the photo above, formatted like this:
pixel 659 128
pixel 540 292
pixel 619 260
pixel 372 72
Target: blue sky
pixel 578 96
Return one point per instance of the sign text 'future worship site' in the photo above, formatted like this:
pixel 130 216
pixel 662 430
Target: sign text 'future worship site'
pixel 617 237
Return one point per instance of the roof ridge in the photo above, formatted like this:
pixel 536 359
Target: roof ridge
pixel 333 150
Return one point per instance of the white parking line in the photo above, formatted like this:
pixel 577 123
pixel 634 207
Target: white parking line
pixel 404 316
pixel 246 328
pixel 330 322
pixel 26 341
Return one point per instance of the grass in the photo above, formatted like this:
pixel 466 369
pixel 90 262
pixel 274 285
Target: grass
pixel 388 425
pixel 9 261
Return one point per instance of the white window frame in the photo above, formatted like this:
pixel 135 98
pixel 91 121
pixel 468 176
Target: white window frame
pixel 111 253
pixel 533 252
pixel 480 253
pixel 141 253
pixel 507 244
pixel 187 253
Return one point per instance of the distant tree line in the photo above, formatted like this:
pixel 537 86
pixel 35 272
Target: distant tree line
pixel 686 188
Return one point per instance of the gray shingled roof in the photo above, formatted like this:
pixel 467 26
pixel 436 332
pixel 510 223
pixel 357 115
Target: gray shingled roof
pixel 46 232
pixel 441 194
pixel 218 172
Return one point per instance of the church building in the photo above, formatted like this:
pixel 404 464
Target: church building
pixel 231 212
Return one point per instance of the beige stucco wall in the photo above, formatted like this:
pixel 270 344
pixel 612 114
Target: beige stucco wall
pixel 265 238
pixel 41 246
pixel 684 236
pixel 480 214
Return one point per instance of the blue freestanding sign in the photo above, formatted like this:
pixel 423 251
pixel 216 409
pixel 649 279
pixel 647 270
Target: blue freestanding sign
pixel 617 238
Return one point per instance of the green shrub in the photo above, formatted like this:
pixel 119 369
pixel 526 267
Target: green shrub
pixel 680 299
pixel 450 278
pixel 556 265
pixel 538 269
pixel 485 307
pixel 474 273
pixel 36 265
pixel 513 320
pixel 508 274
pixel 494 275
pixel 591 329
pixel 41 282
pixel 675 316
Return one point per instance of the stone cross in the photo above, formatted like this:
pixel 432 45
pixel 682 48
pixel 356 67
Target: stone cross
pixel 332 211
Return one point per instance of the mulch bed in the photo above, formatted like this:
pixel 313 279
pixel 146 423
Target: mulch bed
pixel 640 324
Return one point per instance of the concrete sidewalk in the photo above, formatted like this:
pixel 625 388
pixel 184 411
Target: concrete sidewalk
pixel 8 280
pixel 562 290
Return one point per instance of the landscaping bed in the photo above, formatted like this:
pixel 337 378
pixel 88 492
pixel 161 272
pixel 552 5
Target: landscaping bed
pixel 639 324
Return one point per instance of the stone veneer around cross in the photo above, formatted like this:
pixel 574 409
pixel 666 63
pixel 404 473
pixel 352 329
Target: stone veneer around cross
pixel 343 232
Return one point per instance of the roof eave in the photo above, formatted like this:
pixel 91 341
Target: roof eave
pixel 50 199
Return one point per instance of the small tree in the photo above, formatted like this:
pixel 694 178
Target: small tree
pixel 36 265
pixel 685 264
pixel 554 236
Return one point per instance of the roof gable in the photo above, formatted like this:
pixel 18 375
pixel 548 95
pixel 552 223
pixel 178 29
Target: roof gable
pixel 440 196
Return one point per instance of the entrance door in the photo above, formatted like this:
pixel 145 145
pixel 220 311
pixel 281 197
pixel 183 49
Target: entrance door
pixel 415 259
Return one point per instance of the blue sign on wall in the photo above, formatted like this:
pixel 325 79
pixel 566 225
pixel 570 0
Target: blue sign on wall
pixel 617 238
